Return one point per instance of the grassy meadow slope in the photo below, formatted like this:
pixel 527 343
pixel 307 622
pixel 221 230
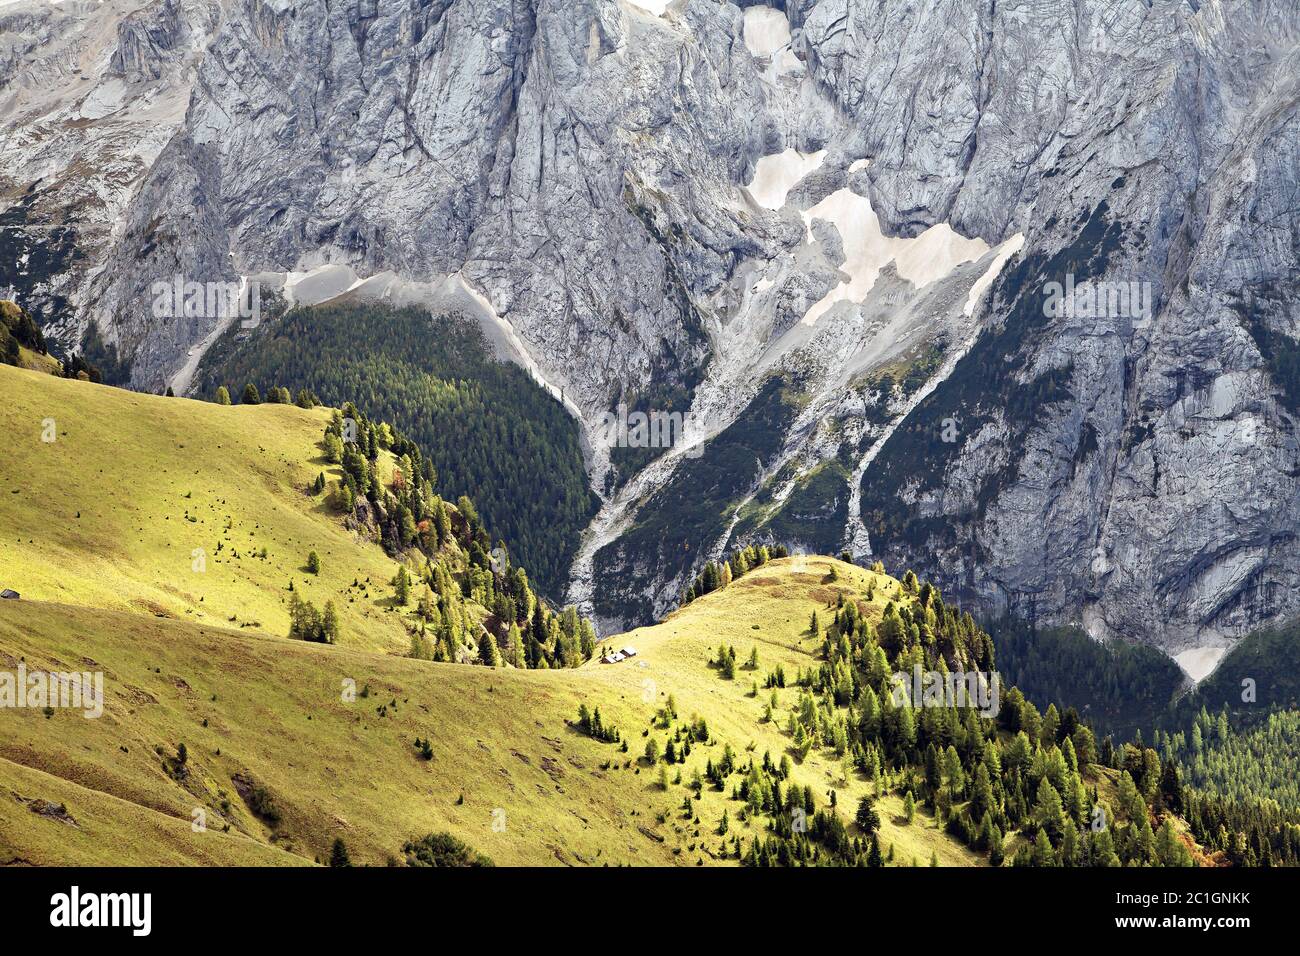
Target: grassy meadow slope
pixel 269 712
pixel 36 362
pixel 769 609
pixel 97 530
pixel 109 514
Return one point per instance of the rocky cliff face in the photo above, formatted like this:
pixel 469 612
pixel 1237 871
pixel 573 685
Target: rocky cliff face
pixel 90 96
pixel 1150 490
pixel 827 227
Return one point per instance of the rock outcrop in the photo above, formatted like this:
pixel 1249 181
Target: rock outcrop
pixel 829 226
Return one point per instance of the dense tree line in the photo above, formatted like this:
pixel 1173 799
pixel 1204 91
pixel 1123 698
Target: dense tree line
pixel 1261 674
pixel 1245 832
pixel 593 725
pixel 1234 737
pixel 98 360
pixel 986 778
pixel 1260 761
pixel 469 602
pixel 488 429
pixel 1243 795
pixel 306 623
pixel 442 849
pixel 1122 687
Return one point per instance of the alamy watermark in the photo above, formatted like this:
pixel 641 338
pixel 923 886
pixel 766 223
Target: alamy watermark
pixel 178 298
pixel 1100 299
pixel 621 428
pixel 133 911
pixel 922 688
pixel 41 690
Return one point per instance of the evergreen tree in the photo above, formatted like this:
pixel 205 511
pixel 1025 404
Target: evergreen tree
pixel 867 819
pixel 1170 850
pixel 330 624
pixel 1048 814
pixel 873 856
pixel 488 654
pixel 1043 855
pixel 339 853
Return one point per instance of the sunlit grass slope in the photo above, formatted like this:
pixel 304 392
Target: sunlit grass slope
pixel 125 508
pixel 508 773
pixel 280 759
pixel 769 609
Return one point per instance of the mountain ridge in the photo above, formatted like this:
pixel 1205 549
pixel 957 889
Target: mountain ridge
pixel 223 744
pixel 605 201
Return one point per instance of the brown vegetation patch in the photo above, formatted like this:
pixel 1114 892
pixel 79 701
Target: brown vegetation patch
pixel 51 811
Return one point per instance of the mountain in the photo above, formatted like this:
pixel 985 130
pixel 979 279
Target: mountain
pixel 751 726
pixel 827 228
